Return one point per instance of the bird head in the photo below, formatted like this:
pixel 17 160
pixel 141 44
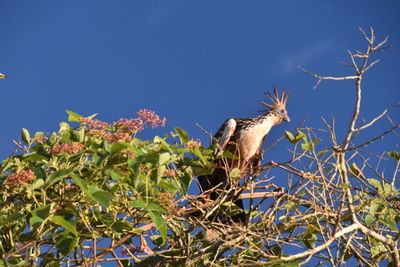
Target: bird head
pixel 277 107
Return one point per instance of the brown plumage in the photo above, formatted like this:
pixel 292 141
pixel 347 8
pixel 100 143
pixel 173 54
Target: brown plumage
pixel 244 139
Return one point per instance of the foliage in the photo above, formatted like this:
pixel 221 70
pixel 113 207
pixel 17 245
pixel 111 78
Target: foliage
pixel 96 192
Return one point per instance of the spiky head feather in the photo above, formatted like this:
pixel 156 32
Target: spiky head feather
pixel 277 102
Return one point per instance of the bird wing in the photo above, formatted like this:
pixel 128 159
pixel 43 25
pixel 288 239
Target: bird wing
pixel 225 132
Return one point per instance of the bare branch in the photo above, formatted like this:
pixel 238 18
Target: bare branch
pixel 320 78
pixel 340 233
pixel 372 122
pixel 373 139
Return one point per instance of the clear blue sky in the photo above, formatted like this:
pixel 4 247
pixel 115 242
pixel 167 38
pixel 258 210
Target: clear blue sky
pixel 190 61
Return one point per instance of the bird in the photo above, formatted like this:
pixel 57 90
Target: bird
pixel 243 138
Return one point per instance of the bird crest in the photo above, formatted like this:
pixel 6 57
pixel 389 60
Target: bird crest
pixel 276 100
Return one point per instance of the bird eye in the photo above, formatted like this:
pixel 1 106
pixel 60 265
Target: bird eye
pixel 282 111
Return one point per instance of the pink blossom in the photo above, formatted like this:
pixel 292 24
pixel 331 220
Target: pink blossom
pixel 170 173
pixel 193 143
pixel 115 137
pixel 123 128
pixel 151 118
pixel 98 133
pixel 131 126
pixel 66 148
pixel 21 177
pixel 92 124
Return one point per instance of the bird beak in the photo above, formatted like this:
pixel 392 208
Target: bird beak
pixel 286 118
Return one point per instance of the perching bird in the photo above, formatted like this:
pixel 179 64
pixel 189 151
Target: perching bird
pixel 244 139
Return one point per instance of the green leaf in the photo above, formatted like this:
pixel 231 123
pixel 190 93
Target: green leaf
pixel 378 249
pixel 79 135
pixel 121 226
pixel 387 190
pixel 134 165
pixel 117 147
pixel 37 184
pixel 227 154
pixel 40 215
pixel 310 145
pixel 38 135
pixel 57 176
pixel 235 173
pixel 290 137
pixel 63 127
pixel 116 175
pixel 165 145
pixel 83 185
pixel 106 146
pixel 35 157
pixel 375 183
pixel 73 116
pixel 25 136
pixel 309 240
pixel 230 208
pixel 394 154
pixel 183 135
pixel 184 182
pixel 155 206
pixel 155 211
pixel 169 185
pixel 300 135
pixel 291 205
pixel 307 146
pixel 196 151
pixel 389 223
pixel 369 219
pixel 12 218
pixel 354 170
pixel 164 158
pixel 160 223
pixel 102 197
pixel 39 173
pixel 66 243
pixel 139 204
pixel 151 157
pixel 376 208
pixel 158 173
pixel 68 225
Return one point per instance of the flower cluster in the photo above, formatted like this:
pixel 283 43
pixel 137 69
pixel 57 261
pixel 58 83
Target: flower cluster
pixel 92 124
pixel 123 129
pixel 21 177
pixel 170 173
pixel 129 126
pixel 151 118
pixel 115 137
pixel 66 148
pixel 68 187
pixel 193 143
pixel 167 201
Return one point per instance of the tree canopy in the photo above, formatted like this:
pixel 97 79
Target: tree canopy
pixel 94 192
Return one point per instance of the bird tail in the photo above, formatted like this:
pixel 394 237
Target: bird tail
pixel 218 181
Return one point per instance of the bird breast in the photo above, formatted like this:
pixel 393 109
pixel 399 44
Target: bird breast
pixel 250 139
